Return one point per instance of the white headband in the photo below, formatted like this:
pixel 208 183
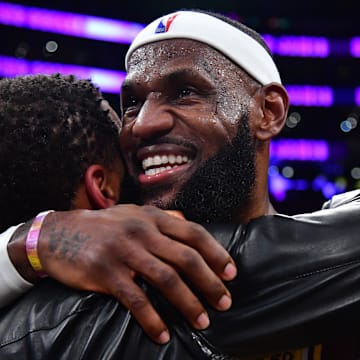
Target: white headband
pixel 232 42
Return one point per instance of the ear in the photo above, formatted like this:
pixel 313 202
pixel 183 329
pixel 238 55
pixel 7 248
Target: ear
pixel 274 101
pixel 102 186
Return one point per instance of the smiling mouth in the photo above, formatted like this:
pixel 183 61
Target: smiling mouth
pixel 153 165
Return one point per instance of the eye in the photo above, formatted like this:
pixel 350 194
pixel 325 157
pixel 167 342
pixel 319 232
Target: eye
pixel 130 104
pixel 186 92
pixel 184 95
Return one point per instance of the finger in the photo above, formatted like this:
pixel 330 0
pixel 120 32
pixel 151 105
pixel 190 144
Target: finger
pixel 190 264
pixel 195 236
pixel 142 262
pixel 136 301
pixel 176 291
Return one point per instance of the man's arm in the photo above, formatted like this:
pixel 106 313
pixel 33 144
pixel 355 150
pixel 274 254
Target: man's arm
pixel 298 285
pixel 298 282
pixel 106 250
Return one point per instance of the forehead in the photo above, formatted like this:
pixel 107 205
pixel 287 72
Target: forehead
pixel 160 55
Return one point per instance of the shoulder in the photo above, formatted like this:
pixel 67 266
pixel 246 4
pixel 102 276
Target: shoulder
pixel 342 199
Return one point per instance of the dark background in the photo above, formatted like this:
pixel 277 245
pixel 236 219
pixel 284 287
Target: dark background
pixel 337 22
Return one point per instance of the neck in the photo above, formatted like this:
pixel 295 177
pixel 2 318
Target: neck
pixel 259 203
pixel 258 206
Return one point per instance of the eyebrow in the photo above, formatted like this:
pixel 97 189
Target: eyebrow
pixel 180 75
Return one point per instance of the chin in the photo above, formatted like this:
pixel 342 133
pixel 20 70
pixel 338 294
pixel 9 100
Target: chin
pixel 161 196
pixel 163 201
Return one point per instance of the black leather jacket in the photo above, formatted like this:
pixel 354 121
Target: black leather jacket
pixel 298 276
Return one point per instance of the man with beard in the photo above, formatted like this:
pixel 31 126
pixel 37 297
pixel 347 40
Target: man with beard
pixel 211 189
pixel 203 108
pixel 198 116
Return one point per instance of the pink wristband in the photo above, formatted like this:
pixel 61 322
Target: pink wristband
pixel 31 243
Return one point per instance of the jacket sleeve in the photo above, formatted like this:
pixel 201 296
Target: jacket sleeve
pixel 298 281
pixel 12 284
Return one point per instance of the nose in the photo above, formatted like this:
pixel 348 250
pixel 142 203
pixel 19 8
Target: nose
pixel 154 118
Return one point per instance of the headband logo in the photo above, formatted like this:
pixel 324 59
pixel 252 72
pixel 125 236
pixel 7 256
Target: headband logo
pixel 163 28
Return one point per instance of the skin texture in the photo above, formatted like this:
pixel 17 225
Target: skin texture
pixel 183 98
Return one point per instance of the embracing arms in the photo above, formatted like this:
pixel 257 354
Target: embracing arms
pixel 106 250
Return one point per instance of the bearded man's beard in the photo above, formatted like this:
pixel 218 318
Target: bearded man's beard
pixel 223 184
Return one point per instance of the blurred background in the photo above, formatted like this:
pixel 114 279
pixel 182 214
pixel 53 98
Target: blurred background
pixel 315 45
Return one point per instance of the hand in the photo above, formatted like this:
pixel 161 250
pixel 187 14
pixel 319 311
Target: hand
pixel 105 250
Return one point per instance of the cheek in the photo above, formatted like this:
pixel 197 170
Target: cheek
pixel 214 132
pixel 233 106
pixel 224 123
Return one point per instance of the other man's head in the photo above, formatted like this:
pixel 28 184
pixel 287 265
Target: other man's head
pixel 59 147
pixel 201 101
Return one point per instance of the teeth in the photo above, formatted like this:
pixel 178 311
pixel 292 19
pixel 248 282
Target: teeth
pixel 172 159
pixel 157 160
pixel 168 162
pixel 154 171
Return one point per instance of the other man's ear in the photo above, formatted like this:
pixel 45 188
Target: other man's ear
pixel 274 101
pixel 102 186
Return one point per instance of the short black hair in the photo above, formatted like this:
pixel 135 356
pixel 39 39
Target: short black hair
pixel 52 128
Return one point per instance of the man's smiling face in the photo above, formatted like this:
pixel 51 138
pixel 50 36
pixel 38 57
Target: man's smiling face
pixel 182 104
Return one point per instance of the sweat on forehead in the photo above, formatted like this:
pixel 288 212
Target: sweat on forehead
pixel 227 39
pixel 147 58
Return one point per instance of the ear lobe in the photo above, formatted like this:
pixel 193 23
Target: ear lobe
pixel 100 187
pixel 275 105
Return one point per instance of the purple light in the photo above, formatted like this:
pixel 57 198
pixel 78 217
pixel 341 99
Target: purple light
pixel 270 41
pixel 66 23
pixel 319 183
pixel 123 32
pixel 329 190
pixel 302 46
pixel 299 149
pixel 307 95
pixel 279 186
pixel 357 96
pixel 355 46
pixel 108 80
